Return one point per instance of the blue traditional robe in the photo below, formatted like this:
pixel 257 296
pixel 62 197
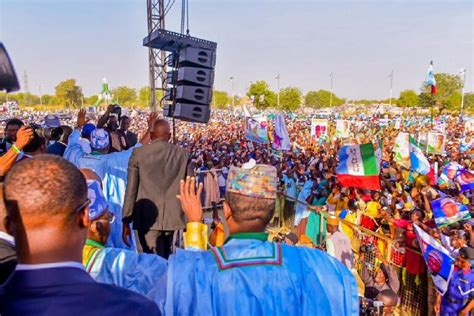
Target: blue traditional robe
pixel 112 169
pixel 251 276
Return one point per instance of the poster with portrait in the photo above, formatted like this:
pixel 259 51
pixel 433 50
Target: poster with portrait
pixel 437 259
pixel 436 143
pixel 319 128
pixel 343 128
pixel 256 129
pixel 447 211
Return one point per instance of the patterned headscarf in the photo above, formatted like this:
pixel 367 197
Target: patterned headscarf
pixel 99 139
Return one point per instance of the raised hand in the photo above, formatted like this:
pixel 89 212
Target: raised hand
pixel 191 199
pixel 23 137
pixel 152 119
pixel 81 118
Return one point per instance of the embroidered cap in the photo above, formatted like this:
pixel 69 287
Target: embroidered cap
pixel 99 139
pixel 253 180
pixel 98 205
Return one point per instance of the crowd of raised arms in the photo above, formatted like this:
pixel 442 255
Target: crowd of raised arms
pixel 339 239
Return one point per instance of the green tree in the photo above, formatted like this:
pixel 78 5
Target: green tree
pixel 425 100
pixel 469 102
pixel 220 99
pixel 446 86
pixel 69 94
pixel 91 100
pixel 321 98
pixel 263 96
pixel 124 95
pixel 290 99
pixel 453 102
pixel 45 98
pixel 408 98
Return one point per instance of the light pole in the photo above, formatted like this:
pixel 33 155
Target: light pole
pixel 391 86
pixel 41 97
pixel 463 74
pixel 277 77
pixel 331 75
pixel 233 91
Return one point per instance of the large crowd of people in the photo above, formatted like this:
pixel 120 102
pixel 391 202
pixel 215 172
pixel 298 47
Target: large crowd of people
pixel 145 198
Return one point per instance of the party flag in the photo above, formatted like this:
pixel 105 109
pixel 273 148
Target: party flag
pixel 358 167
pixel 430 79
pixel 418 161
pixel 256 129
pixel 281 139
pixel 437 259
pixel 447 211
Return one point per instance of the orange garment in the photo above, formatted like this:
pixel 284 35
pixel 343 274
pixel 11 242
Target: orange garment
pixel 217 237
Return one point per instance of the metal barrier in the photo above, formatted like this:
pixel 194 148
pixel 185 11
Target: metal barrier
pixel 414 289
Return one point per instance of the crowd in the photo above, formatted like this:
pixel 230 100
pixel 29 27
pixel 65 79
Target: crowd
pixel 135 225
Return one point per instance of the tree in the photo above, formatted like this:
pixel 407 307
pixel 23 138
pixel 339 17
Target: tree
pixel 290 99
pixel 408 98
pixel 425 100
pixel 446 85
pixel 91 100
pixel 69 94
pixel 453 102
pixel 469 102
pixel 220 99
pixel 263 96
pixel 124 95
pixel 321 98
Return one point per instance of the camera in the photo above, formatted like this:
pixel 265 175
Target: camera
pixel 49 133
pixel 370 307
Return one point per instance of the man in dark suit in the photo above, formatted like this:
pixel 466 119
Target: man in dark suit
pixel 130 138
pixel 154 173
pixel 47 214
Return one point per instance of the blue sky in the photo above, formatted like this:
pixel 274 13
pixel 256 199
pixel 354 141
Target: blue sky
pixel 303 41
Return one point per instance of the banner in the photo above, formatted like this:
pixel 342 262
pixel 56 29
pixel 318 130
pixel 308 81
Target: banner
pixel 256 129
pixel 447 211
pixel 436 143
pixel 437 258
pixel 358 168
pixel 343 128
pixel 281 139
pixel 423 140
pixel 402 150
pixel 398 123
pixel 439 126
pixel 469 126
pixel 319 128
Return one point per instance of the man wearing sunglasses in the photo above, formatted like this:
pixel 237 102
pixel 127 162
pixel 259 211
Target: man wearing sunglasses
pixel 47 213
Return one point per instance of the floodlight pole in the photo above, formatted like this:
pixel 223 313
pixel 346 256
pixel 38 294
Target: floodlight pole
pixel 331 75
pixel 277 77
pixel 233 91
pixel 462 91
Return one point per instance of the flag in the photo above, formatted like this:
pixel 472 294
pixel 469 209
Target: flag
pixel 418 160
pixel 430 79
pixel 437 258
pixel 447 211
pixel 281 139
pixel 358 167
pixel 256 129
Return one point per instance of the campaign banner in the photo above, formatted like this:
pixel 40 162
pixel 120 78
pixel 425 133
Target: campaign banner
pixel 436 143
pixel 402 150
pixel 447 211
pixel 256 129
pixel 437 258
pixel 439 126
pixel 398 123
pixel 319 128
pixel 469 126
pixel 423 140
pixel 343 128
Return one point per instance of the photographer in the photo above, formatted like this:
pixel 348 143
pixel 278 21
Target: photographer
pixel 22 138
pixel 110 122
pixel 382 278
pixel 10 133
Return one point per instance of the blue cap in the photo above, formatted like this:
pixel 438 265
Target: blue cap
pixel 99 139
pixel 87 129
pixel 52 121
pixel 98 205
